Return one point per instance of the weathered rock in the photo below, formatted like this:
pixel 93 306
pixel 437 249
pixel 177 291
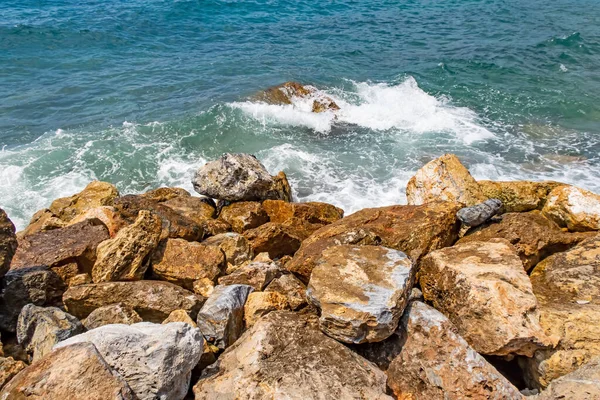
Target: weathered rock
pixel 479 213
pixel 324 104
pixel 61 246
pixel 244 215
pixel 156 360
pixel 9 367
pixel 203 287
pixel 213 227
pixel 197 209
pixel 361 291
pixel 40 328
pixel 484 290
pixel 8 242
pixel 80 279
pixel 181 262
pixel 281 188
pixel 107 215
pixel 163 194
pixel 221 319
pixel 262 303
pixel 312 212
pixel 446 179
pixel 76 372
pixel 534 236
pixel 152 300
pixel 235 246
pixel 66 272
pixel 284 355
pixel 42 220
pixel 256 274
pixel 239 177
pixel 276 239
pixel 180 316
pixel 35 285
pixel 582 384
pixel 518 196
pixel 291 287
pixel 414 230
pixel 435 362
pixel 126 256
pixel 574 208
pixel 95 194
pixel 286 92
pixel 117 313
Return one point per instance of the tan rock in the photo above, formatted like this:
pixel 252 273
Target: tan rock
pixel 314 212
pixel 244 215
pixel 518 196
pixel 125 257
pixel 484 290
pixel 95 194
pixel 213 227
pixel 180 316
pixel 582 384
pixel 291 287
pixel 259 304
pixel 276 239
pixel 203 287
pixel 445 179
pixel 42 220
pixel 8 242
pixel 117 313
pixel 108 215
pixel 235 246
pixel 196 209
pixel 9 367
pixel 574 208
pixel 80 279
pixel 256 274
pixel 165 193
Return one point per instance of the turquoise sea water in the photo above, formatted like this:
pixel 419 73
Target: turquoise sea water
pixel 140 93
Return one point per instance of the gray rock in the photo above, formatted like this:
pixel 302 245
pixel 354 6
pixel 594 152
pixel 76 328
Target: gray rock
pixel 8 242
pixel 221 319
pixel 40 328
pixel 581 384
pixel 156 360
pixel 479 213
pixel 117 313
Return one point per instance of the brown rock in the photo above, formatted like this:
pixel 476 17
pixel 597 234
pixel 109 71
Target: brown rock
pixel 582 384
pixel 42 220
pixel 204 287
pixel 213 227
pixel 108 215
pixel 276 239
pixel 196 209
pixel 259 304
pixel 165 193
pixel 9 367
pixel 291 287
pixel 281 188
pixel 324 104
pixel 255 274
pixel 95 194
pixel 573 208
pixel 244 215
pixel 80 279
pixel 180 316
pixel 484 290
pixel 66 272
pixel 283 94
pixel 235 246
pixel 306 218
pixel 8 242
pixel 117 313
pixel 518 196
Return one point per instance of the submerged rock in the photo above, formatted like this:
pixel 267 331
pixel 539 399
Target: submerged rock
pixel 479 213
pixel 8 242
pixel 287 91
pixel 574 208
pixel 117 313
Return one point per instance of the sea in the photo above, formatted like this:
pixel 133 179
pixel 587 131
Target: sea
pixel 142 93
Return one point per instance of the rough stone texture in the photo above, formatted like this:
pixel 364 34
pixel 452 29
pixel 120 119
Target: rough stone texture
pixel 582 384
pixel 244 215
pixel 213 227
pixel 567 286
pixel 117 313
pixel 235 246
pixel 9 367
pixel 484 290
pixel 414 230
pixel 152 300
pixel 156 360
pixel 239 177
pixel 534 236
pixel 76 372
pixel 262 303
pixel 479 213
pixel 42 220
pixel 66 272
pixel 180 316
pixel 8 242
pixel 40 328
pixel 291 287
pixel 125 257
pixel 281 187
pixel 574 208
pixel 435 362
pixel 107 214
pixel 163 194
pixel 182 263
pixel 287 91
pixel 221 319
pixel 446 179
pixel 80 279
pixel 35 285
pixel 256 274
pixel 305 217
pixel 197 209
pixel 284 355
pixel 276 239
pixel 361 291
pixel 518 196
pixel 95 194
pixel 60 246
pixel 203 287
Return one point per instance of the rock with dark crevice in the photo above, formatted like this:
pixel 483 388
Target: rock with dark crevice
pixel 480 213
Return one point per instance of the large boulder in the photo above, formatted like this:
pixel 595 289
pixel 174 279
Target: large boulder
pixel 414 230
pixel 239 177
pixel 574 208
pixel 152 300
pixel 518 196
pixel 221 318
pixel 534 236
pixel 446 179
pixel 76 372
pixel 257 274
pixel 107 215
pixel 306 218
pixel 276 239
pixel 197 209
pixel 484 290
pixel 182 262
pixel 360 291
pixel 244 215
pixel 40 328
pixel 435 362
pixel 8 242
pixel 582 384
pixel 156 360
pixel 126 256
pixel 163 194
pixel 284 355
pixel 117 313
pixel 236 248
pixel 95 194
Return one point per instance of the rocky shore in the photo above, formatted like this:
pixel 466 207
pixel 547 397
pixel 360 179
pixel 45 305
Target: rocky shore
pixel 474 290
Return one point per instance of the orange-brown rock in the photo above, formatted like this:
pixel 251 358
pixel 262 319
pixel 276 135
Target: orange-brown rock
pixel 8 242
pixel 165 193
pixel 95 194
pixel 283 94
pixel 518 196
pixel 213 227
pixel 262 303
pixel 180 316
pixel 276 239
pixel 42 220
pixel 66 272
pixel 323 104
pixel 9 367
pixel 235 246
pixel 107 214
pixel 244 215
pixel 291 287
pixel 80 279
pixel 196 209
pixel 281 187
pixel 574 208
pixel 306 218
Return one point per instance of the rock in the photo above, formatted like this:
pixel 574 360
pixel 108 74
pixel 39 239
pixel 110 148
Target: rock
pixel 518 196
pixel 117 313
pixel 95 194
pixel 259 304
pixel 479 213
pixel 324 104
pixel 284 93
pixel 582 384
pixel 256 274
pixel 446 179
pixel 8 242
pixel 235 246
pixel 80 279
pixel 40 328
pixel 221 319
pixel 182 263
pixel 152 300
pixel 281 188
pixel 291 287
pixel 165 193
pixel 125 257
pixel 414 230
pixel 284 355
pixel 42 220
pixel 66 272
pixel 435 362
pixel 484 290
pixel 61 246
pixel 313 212
pixel 360 291
pixel 203 287
pixel 11 348
pixel 156 360
pixel 239 177
pixel 107 215
pixel 276 239
pixel 244 215
pixel 180 316
pixel 534 236
pixel 35 285
pixel 573 208
pixel 213 227
pixel 9 367
pixel 196 209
